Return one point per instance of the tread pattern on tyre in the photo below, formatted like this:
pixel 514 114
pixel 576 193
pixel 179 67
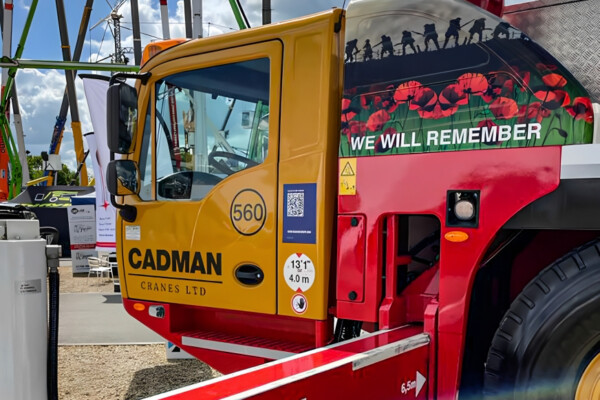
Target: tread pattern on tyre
pixel 550 279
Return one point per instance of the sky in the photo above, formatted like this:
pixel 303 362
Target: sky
pixel 40 92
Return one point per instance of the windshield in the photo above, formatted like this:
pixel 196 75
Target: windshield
pixel 210 123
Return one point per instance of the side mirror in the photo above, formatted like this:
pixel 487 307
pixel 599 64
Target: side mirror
pixel 123 178
pixel 122 117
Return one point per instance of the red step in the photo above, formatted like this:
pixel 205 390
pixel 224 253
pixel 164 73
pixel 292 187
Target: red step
pixel 251 346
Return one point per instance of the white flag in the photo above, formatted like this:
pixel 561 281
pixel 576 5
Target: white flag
pixel 95 87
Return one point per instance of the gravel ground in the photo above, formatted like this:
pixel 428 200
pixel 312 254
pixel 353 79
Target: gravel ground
pixel 123 372
pixel 118 372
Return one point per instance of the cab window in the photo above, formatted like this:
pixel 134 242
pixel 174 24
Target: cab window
pixel 210 123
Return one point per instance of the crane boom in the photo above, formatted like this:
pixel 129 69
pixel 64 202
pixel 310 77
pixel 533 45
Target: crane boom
pixel 59 126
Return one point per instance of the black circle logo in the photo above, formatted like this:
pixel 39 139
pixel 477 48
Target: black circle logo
pixel 248 212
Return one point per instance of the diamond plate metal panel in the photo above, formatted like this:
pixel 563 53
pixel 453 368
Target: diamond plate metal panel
pixel 571 33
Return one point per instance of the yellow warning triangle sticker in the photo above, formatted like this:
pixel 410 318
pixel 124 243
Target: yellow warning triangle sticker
pixel 347 171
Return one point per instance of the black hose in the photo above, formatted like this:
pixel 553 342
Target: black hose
pixel 346 329
pixel 52 372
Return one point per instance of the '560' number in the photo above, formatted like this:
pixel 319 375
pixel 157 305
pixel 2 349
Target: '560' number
pixel 248 212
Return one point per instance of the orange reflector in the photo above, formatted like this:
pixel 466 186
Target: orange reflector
pixel 156 47
pixel 456 236
pixel 139 307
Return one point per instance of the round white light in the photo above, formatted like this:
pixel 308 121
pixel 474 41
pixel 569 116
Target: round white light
pixel 464 210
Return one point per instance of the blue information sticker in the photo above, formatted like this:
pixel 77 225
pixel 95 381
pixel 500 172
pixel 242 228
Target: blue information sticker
pixel 300 213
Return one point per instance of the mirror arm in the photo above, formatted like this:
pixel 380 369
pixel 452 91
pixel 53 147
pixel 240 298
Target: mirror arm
pixel 126 211
pixel 143 77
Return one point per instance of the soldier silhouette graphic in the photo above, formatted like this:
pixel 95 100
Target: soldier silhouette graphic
pixel 430 35
pixel 351 50
pixel 367 51
pixel 502 29
pixel 477 28
pixel 407 40
pixel 452 31
pixel 386 46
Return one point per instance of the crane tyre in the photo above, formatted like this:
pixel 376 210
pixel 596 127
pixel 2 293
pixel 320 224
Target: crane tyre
pixel 548 343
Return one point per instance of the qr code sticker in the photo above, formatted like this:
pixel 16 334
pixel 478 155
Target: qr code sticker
pixel 295 204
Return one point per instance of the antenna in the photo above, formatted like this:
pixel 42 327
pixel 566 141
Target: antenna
pixel 114 19
pixel 118 57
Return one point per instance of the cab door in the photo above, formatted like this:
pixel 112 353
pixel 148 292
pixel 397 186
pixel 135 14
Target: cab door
pixel 205 232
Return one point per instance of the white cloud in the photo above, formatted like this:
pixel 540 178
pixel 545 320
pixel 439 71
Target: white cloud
pixel 21 3
pixel 40 95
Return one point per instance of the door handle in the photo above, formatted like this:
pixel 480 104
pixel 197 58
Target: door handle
pixel 249 274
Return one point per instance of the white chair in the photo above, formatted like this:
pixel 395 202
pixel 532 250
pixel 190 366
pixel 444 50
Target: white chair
pixel 98 267
pixel 105 262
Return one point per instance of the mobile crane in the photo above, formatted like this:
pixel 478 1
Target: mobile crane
pixel 417 221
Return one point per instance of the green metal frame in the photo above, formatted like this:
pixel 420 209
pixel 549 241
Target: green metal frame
pixel 239 15
pixel 256 136
pixel 6 62
pixel 15 178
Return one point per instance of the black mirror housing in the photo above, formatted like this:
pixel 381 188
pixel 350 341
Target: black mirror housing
pixel 123 178
pixel 122 117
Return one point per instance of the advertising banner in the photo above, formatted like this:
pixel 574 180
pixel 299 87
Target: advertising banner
pixel 82 230
pixel 95 87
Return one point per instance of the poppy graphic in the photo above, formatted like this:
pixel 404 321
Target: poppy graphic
pixel 533 110
pixel 525 77
pixel 423 98
pixel 553 99
pixel 348 112
pixel 504 108
pixel 407 91
pixel 554 81
pixel 581 109
pixel 370 100
pixel 379 99
pixel 377 120
pixel 546 67
pixel 453 96
pixel 552 95
pixel 428 105
pixel 437 110
pixel 389 132
pixel 387 100
pixel 354 128
pixel 472 83
pixel 489 95
pixel 499 85
pixel 488 123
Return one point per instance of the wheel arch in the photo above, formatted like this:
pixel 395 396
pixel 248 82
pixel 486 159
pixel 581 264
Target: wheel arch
pixel 514 259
